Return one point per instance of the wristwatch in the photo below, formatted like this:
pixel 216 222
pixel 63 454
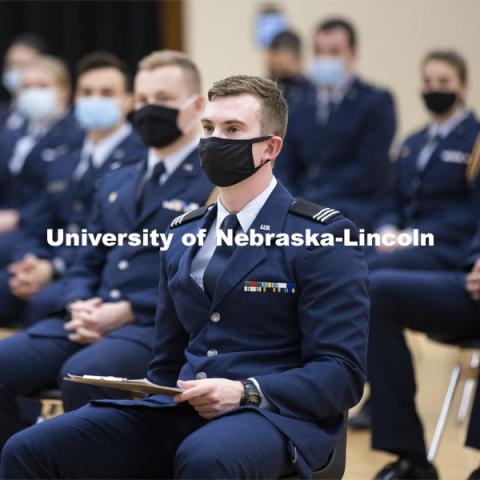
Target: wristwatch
pixel 251 395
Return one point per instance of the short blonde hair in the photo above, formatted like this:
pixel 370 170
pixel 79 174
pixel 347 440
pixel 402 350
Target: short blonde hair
pixel 56 67
pixel 164 58
pixel 273 107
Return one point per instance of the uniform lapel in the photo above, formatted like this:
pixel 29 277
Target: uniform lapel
pixel 176 183
pixel 185 262
pixel 457 132
pixel 245 259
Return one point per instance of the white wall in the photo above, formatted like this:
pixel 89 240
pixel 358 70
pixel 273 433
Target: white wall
pixel 393 36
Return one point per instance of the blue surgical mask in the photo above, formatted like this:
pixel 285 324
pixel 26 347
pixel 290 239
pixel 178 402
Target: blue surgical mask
pixel 12 80
pixel 267 26
pixel 327 72
pixel 97 113
pixel 37 103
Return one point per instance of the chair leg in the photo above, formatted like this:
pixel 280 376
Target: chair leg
pixel 470 373
pixel 465 401
pixel 447 402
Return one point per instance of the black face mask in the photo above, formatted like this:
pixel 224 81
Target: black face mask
pixel 226 161
pixel 439 102
pixel 157 125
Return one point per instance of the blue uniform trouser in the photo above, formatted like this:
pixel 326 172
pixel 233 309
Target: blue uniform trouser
pixel 430 302
pixel 29 364
pixel 140 442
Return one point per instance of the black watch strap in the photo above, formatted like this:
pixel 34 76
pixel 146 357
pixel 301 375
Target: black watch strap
pixel 251 395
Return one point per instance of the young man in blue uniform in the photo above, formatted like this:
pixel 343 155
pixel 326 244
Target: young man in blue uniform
pixel 106 325
pixel 268 343
pixel 337 148
pixel 32 285
pixel 22 51
pixel 439 303
pixel 25 152
pixel 433 190
pixel 284 64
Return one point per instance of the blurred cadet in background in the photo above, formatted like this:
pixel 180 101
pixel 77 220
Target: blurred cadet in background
pixel 25 153
pixel 431 190
pixel 32 286
pixel 106 324
pixel 337 146
pixel 270 21
pixel 23 50
pixel 284 64
pixel 435 188
pixel 445 304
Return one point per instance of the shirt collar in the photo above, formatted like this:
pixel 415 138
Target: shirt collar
pixel 102 150
pixel 172 161
pixel 338 93
pixel 249 212
pixel 446 128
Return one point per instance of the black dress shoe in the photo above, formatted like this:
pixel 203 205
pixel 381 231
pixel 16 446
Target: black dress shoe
pixel 475 475
pixel 363 419
pixel 405 469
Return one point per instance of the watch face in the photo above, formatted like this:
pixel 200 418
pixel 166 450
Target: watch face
pixel 254 399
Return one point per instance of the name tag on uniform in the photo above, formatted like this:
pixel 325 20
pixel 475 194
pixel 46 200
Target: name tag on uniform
pixel 269 287
pixel 50 154
pixel 454 156
pixel 179 205
pixel 57 186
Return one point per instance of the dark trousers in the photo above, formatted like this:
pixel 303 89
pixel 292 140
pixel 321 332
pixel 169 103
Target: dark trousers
pixel 29 364
pixel 431 302
pixel 139 442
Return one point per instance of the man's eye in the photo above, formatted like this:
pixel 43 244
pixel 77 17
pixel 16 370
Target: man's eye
pixel 207 128
pixel 233 130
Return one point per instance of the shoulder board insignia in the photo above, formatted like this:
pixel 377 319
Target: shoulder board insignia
pixel 188 217
pixel 313 211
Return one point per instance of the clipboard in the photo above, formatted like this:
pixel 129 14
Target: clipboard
pixel 140 385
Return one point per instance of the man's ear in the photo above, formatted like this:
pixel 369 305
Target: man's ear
pixel 199 103
pixel 273 147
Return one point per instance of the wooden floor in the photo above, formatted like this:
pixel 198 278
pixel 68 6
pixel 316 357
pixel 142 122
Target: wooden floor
pixel 454 461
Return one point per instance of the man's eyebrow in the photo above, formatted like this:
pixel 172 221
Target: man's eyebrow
pixel 225 122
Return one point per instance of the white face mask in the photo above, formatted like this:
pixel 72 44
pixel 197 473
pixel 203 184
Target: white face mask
pixel 12 80
pixel 327 72
pixel 37 103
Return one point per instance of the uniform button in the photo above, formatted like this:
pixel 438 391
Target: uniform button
pixel 212 352
pixel 115 293
pixel 73 228
pixel 416 182
pixel 201 375
pixel 122 264
pixel 215 317
pixel 78 207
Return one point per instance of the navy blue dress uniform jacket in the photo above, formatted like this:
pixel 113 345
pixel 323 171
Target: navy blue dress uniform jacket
pixel 17 191
pixel 440 199
pixel 66 203
pixel 129 272
pixel 343 163
pixel 306 348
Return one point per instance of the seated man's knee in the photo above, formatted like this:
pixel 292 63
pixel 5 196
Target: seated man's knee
pixel 18 457
pixel 197 459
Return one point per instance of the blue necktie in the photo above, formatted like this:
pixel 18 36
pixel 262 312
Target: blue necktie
pixel 220 257
pixel 150 187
